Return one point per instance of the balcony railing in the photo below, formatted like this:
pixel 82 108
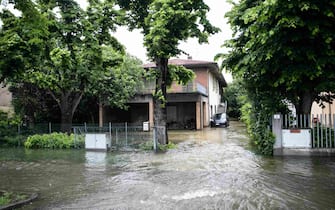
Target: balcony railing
pixel 191 87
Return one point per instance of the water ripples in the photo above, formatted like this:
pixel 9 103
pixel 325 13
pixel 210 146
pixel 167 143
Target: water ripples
pixel 211 170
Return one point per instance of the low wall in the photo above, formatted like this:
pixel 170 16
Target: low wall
pixel 303 152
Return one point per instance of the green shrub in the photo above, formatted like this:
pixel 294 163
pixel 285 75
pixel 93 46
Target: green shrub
pixel 8 128
pixel 10 197
pixel 165 147
pixel 54 141
pixel 149 145
pixel 14 141
pixel 257 121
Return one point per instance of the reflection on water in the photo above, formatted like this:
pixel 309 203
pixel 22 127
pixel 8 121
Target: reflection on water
pixel 210 169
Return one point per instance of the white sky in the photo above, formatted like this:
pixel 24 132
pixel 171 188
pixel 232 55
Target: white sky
pixel 133 40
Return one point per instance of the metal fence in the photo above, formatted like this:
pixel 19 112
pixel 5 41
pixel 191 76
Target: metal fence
pixel 322 128
pixel 120 134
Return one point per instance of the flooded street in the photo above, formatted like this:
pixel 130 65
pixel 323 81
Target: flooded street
pixel 210 169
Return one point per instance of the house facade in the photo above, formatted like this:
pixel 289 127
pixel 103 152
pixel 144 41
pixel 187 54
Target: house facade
pixel 5 99
pixel 188 106
pixel 328 108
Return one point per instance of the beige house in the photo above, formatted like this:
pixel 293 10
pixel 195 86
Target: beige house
pixel 5 99
pixel 188 106
pixel 329 108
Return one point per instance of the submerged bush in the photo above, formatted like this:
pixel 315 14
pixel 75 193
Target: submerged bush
pixel 149 145
pixel 14 141
pixel 10 197
pixel 54 141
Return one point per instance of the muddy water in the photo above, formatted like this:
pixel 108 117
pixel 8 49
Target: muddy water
pixel 211 169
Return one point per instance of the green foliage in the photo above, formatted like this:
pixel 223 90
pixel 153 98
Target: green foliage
pixel 180 74
pixel 120 81
pixel 165 147
pixel 256 113
pixel 10 197
pixel 9 130
pixel 54 141
pixel 149 145
pixel 5 199
pixel 283 51
pixel 258 128
pixel 168 22
pixel 14 140
pixel 234 94
pixel 67 52
pixel 33 103
pixel 285 47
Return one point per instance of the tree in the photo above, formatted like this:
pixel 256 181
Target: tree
pixel 164 24
pixel 33 104
pixel 233 94
pixel 284 48
pixel 61 48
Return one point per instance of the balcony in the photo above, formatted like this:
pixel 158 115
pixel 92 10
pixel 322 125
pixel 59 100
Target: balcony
pixel 191 87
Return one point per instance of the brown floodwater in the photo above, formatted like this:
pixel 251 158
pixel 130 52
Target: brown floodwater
pixel 210 169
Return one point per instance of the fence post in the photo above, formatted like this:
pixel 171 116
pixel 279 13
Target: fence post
pixel 313 131
pixel 75 137
pixel 50 128
pixel 329 131
pixel 110 132
pixel 277 131
pixel 126 129
pixel 155 139
pixel 317 129
pixel 321 129
pixel 85 126
pixel 116 137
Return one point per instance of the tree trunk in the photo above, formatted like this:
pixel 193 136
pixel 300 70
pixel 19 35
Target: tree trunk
pixel 66 119
pixel 303 108
pixel 304 104
pixel 68 104
pixel 160 101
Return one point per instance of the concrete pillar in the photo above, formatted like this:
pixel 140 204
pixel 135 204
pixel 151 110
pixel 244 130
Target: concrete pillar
pixel 198 115
pixel 277 131
pixel 206 111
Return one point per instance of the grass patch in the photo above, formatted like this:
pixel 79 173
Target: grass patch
pixel 10 197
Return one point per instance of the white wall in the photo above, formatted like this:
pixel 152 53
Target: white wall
pixel 328 109
pixel 5 99
pixel 213 94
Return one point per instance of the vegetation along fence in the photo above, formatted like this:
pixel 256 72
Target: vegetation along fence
pixel 121 134
pixel 322 128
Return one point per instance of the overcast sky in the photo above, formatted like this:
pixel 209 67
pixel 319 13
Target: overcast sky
pixel 134 40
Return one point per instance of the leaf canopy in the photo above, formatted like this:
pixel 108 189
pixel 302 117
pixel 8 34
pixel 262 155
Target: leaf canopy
pixel 285 47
